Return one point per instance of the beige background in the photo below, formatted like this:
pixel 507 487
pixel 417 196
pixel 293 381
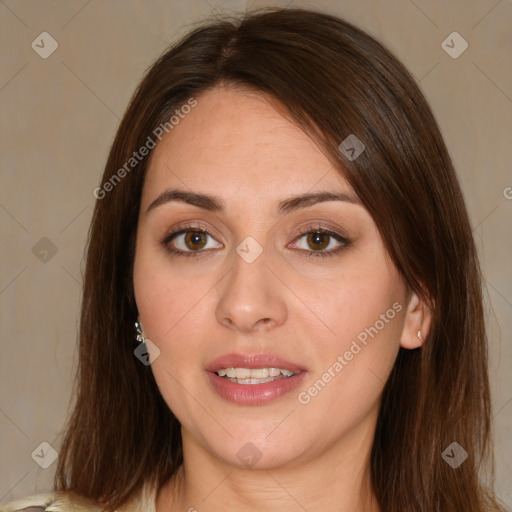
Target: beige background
pixel 59 116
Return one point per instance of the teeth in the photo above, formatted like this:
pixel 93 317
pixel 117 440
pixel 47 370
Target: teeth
pixel 254 373
pixel 255 381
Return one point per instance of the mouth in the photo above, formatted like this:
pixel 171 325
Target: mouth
pixel 253 379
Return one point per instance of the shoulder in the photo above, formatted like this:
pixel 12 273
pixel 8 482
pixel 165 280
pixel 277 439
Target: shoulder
pixel 57 501
pixel 67 501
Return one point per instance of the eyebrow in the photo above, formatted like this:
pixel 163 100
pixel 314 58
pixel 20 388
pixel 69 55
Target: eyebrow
pixel 216 204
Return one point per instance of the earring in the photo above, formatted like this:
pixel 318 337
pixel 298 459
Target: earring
pixel 420 336
pixel 139 335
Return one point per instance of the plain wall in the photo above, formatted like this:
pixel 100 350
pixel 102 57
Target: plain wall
pixel 58 119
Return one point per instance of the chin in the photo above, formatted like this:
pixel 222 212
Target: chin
pixel 251 447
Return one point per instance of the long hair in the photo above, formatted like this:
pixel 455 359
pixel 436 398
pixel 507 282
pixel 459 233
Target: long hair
pixel 334 81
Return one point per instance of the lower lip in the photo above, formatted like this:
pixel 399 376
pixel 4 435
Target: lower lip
pixel 254 394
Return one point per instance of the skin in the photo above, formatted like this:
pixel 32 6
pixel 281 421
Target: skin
pixel 236 144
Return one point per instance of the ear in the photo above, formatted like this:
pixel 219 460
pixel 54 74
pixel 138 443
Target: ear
pixel 418 319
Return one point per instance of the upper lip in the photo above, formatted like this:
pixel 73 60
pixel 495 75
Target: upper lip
pixel 252 361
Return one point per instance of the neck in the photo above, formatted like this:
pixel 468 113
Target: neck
pixel 337 478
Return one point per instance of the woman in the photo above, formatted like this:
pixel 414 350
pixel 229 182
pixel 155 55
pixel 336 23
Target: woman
pixel 281 219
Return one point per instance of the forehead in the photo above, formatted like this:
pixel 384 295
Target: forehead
pixel 238 140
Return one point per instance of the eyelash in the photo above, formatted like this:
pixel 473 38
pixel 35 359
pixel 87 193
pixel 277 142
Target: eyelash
pixel 304 231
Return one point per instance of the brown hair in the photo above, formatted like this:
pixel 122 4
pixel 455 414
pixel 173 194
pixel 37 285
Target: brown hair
pixel 333 80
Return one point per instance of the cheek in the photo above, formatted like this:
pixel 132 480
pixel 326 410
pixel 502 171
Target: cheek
pixel 168 301
pixel 351 363
pixel 172 308
pixel 359 298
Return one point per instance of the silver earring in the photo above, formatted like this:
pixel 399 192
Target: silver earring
pixel 139 335
pixel 420 336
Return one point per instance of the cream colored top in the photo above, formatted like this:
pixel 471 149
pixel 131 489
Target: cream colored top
pixel 59 501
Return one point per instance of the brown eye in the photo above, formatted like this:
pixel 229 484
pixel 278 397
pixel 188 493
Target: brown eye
pixel 195 240
pixel 318 241
pixel 190 241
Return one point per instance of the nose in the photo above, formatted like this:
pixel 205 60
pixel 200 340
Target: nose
pixel 252 298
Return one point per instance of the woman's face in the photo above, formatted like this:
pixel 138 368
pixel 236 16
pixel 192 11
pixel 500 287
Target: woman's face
pixel 249 284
